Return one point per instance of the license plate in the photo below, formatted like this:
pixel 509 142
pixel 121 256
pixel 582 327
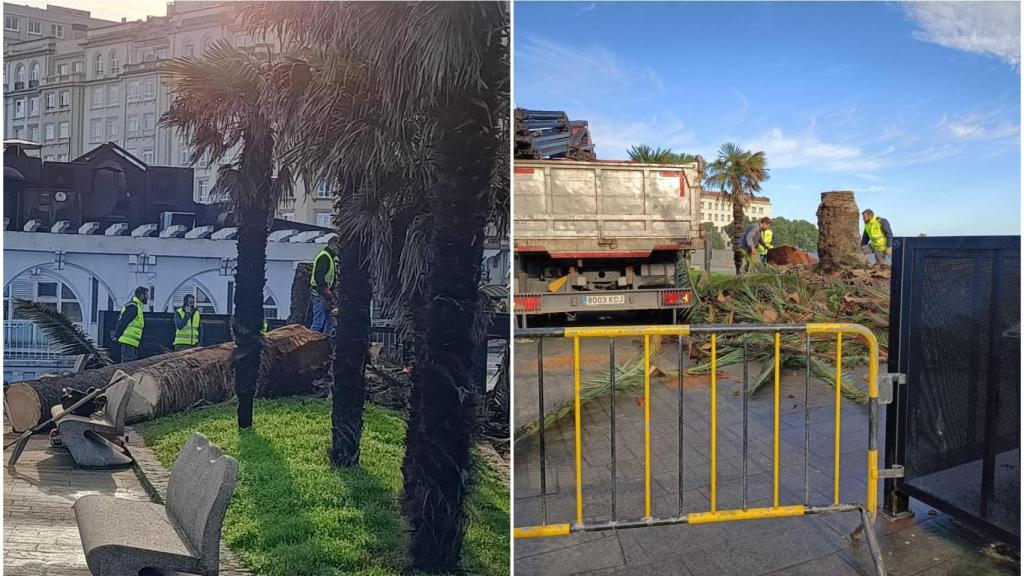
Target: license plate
pixel 604 300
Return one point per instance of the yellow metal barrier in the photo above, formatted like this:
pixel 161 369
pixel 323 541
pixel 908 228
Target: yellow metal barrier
pixel 868 508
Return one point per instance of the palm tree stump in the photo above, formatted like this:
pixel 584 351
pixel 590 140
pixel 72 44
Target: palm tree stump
pixel 838 231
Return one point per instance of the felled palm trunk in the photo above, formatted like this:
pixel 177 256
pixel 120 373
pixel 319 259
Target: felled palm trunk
pixel 838 230
pixel 294 357
pixel 352 338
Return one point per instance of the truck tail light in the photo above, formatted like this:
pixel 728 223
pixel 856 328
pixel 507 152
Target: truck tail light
pixel 527 303
pixel 676 298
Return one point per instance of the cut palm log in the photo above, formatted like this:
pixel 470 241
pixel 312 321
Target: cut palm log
pixel 293 358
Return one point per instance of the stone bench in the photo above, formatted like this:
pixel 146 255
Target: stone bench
pixel 95 441
pixel 126 537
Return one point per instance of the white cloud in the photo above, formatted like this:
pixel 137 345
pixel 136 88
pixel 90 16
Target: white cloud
pixel 807 150
pixel 593 71
pixel 614 137
pixel 989 28
pixel 977 126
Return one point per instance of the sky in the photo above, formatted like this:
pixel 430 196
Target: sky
pixel 915 107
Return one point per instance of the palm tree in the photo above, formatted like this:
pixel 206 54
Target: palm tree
pixel 218 107
pixel 648 155
pixel 738 174
pixel 425 91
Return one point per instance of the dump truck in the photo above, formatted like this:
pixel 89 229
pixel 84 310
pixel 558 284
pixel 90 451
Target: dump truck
pixel 604 236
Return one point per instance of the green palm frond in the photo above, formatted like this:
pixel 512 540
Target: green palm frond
pixel 67 336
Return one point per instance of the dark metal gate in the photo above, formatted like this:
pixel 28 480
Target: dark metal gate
pixel 955 424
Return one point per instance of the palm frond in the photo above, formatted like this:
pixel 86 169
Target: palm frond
pixel 65 335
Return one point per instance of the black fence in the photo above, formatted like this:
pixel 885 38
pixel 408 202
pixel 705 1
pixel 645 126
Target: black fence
pixel 955 425
pixel 158 336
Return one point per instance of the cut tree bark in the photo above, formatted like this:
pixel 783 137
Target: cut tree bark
pixel 838 231
pixel 299 313
pixel 293 358
pixel 788 255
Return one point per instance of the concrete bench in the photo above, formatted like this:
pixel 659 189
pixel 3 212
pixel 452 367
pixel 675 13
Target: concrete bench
pixel 95 441
pixel 126 537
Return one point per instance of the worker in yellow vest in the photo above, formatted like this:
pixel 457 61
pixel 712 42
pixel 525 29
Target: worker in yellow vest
pixel 877 237
pixel 187 321
pixel 321 280
pixel 766 244
pixel 130 325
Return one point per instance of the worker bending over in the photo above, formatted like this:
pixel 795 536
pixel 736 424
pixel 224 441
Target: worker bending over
pixel 751 240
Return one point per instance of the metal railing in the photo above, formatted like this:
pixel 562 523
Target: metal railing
pixel 23 340
pixel 867 509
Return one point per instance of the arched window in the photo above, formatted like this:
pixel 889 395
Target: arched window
pixel 207 41
pixel 48 290
pixel 115 61
pixel 19 73
pixel 204 304
pixel 98 65
pixel 189 49
pixel 269 307
pixel 34 72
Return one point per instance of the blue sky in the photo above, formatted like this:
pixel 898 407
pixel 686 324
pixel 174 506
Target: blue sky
pixel 915 107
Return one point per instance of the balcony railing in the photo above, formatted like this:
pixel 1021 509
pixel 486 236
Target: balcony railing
pixel 69 77
pixel 23 340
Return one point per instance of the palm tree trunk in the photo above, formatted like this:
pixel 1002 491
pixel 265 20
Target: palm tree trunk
pixel 739 256
pixel 247 320
pixel 351 349
pixel 438 465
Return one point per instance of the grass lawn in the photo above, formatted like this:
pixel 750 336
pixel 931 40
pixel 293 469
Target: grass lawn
pixel 294 515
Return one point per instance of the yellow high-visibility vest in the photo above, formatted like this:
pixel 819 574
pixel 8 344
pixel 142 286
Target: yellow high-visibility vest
pixel 876 237
pixel 767 237
pixel 132 335
pixel 189 334
pixel 329 277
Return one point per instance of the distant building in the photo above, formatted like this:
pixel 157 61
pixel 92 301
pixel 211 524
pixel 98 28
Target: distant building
pixel 73 92
pixel 82 235
pixel 717 209
pixel 24 23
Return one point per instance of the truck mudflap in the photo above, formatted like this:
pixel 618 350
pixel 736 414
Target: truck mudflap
pixel 608 301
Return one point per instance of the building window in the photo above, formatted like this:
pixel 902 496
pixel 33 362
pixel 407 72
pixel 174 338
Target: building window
pixel 147 156
pixel 112 128
pixel 160 54
pixel 78 66
pixel 269 307
pixel 115 62
pixel 185 155
pixel 113 95
pixel 57 30
pixel 11 23
pixel 290 216
pixel 240 40
pixel 204 304
pixel 19 108
pixel 133 91
pixel 48 158
pixel 19 75
pixel 203 190
pixel 51 101
pixel 65 98
pixel 62 158
pixel 148 122
pixel 148 89
pixel 323 219
pixel 64 129
pixel 206 43
pixel 49 291
pixel 49 132
pixel 19 132
pixel 35 27
pixel 321 189
pixel 33 74
pixel 97 97
pixel 96 130
pixel 189 50
pixel 33 133
pixel 62 69
pixel 133 124
pixel 98 65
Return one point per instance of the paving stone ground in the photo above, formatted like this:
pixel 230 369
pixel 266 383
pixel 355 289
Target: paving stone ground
pixel 928 543
pixel 40 534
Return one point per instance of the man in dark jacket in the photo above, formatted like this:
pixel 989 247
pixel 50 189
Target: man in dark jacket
pixel 877 237
pixel 130 325
pixel 751 239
